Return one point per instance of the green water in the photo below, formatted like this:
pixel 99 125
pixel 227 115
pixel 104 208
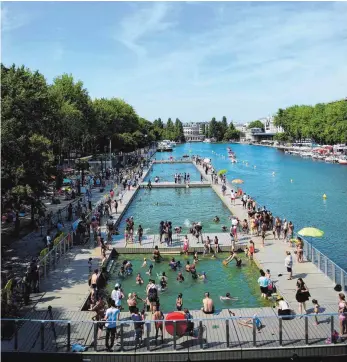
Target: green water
pixel 182 206
pixel 239 282
pixel 166 171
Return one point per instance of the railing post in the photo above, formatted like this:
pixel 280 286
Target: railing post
pixel 45 267
pixel 68 336
pixel 343 280
pixel 227 332
pixel 16 335
pixel 280 329
pixel 326 265
pixel 95 337
pixel 201 335
pixel 318 262
pixel 174 336
pixel 121 337
pixel 306 330
pixel 254 333
pixel 332 329
pixel 42 334
pixel 334 273
pixel 148 330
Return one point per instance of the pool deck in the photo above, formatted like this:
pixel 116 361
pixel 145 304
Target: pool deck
pixel 66 288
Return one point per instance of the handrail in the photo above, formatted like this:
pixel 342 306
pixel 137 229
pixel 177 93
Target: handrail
pixel 177 320
pixel 202 328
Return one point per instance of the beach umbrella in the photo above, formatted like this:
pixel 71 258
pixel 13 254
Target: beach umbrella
pixel 237 181
pixel 312 232
pixel 222 172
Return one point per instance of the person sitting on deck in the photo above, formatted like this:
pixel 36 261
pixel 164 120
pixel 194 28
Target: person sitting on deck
pixel 208 307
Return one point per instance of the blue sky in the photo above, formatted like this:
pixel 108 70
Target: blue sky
pixel 192 60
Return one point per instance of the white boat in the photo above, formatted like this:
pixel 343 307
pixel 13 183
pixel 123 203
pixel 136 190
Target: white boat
pixel 207 140
pixel 343 160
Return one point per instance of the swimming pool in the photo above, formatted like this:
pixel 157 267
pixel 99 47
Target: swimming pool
pixel 166 171
pixel 181 206
pixel 239 282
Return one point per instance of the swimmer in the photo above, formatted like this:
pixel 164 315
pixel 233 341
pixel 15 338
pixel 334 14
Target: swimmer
pixel 229 258
pixel 139 280
pixel 150 270
pixel 202 276
pixel 163 283
pixel 144 264
pixel 196 258
pixel 162 275
pixel 121 271
pixel 188 266
pixel 180 277
pixel 224 228
pixel 228 297
pixel 216 219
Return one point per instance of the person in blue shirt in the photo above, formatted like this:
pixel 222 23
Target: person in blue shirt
pixel 263 282
pixel 111 317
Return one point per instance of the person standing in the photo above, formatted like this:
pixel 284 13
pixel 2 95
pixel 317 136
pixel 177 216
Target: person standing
pixel 111 316
pixel 342 310
pixel 302 295
pixel 288 262
pixel 116 206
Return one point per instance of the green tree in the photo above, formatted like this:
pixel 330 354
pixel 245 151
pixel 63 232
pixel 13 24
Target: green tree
pixel 212 128
pixel 179 134
pixel 256 124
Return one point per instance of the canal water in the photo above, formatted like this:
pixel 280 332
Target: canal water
pixel 290 186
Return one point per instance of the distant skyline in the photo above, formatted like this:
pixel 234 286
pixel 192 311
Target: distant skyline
pixel 191 60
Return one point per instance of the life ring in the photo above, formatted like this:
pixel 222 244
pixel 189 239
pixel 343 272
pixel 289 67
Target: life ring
pixel 181 324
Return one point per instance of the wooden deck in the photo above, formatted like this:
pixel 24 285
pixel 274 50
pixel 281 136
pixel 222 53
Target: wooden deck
pixel 220 332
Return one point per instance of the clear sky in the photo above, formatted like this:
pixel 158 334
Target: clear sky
pixel 189 60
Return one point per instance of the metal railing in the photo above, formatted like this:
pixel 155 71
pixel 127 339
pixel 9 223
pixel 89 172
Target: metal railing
pixel 325 265
pixel 178 335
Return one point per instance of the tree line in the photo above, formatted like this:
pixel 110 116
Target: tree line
pixel 324 123
pixel 43 124
pixel 221 130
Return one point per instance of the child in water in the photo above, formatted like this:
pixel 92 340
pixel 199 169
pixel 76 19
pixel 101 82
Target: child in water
pixel 203 276
pixel 144 264
pixel 150 270
pixel 139 280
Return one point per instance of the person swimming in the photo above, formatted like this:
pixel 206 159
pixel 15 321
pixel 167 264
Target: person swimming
pixel 149 272
pixel 163 283
pixel 180 277
pixel 216 219
pixel 203 276
pixel 224 228
pixel 144 264
pixel 139 280
pixel 228 297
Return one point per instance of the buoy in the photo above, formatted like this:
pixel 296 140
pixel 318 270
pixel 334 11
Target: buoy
pixel 324 196
pixel 273 174
pixel 181 323
pixel 255 166
pixel 291 180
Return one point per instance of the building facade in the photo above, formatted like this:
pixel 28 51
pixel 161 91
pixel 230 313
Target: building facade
pixel 194 131
pixel 259 135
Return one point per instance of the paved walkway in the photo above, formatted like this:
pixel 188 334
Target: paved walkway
pixel 272 257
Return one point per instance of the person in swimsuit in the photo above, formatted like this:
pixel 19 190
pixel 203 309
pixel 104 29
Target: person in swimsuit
pixel 342 310
pixel 158 317
pixel 156 254
pixel 208 307
pixel 139 280
pixel 180 277
pixel 188 267
pixel 216 244
pixel 179 302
